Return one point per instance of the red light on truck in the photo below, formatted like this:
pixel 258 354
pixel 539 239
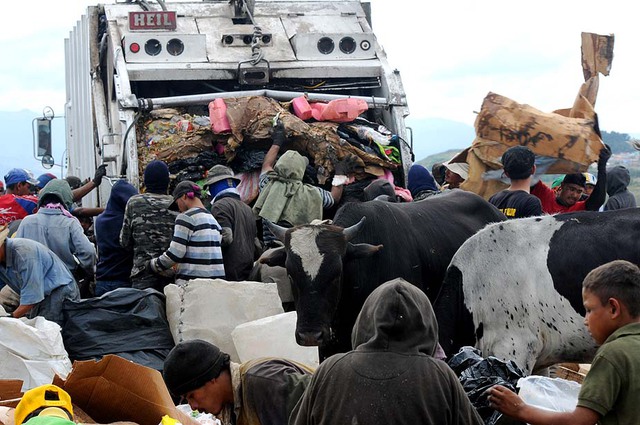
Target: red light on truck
pixel 134 47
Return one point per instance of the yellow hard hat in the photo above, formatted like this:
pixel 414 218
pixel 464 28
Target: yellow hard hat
pixel 45 400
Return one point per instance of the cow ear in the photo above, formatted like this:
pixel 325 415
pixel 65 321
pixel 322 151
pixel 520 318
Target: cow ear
pixel 361 250
pixel 275 258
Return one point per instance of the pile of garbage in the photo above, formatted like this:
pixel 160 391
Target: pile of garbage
pixel 237 133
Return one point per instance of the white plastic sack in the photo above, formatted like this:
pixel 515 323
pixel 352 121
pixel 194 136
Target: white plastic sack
pixel 32 350
pixel 273 337
pixel 556 394
pixel 210 309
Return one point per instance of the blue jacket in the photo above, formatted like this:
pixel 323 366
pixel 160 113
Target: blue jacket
pixel 114 261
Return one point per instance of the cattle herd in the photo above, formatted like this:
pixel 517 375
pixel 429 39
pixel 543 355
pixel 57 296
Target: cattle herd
pixel 511 288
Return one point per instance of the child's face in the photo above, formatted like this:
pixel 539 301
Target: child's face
pixel 598 318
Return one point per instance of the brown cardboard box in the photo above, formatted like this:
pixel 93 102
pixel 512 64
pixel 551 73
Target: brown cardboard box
pixel 114 389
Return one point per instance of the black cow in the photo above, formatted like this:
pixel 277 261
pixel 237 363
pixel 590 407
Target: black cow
pixel 333 268
pixel 514 290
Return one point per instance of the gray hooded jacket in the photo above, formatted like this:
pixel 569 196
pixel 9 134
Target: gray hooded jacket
pixel 618 179
pixel 391 376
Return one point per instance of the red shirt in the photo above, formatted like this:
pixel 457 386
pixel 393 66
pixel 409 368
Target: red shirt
pixel 548 200
pixel 13 207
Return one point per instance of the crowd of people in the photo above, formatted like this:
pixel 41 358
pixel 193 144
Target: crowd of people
pixel 150 239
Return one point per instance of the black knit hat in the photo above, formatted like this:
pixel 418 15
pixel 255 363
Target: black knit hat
pixel 517 162
pixel 156 177
pixel 575 178
pixel 191 364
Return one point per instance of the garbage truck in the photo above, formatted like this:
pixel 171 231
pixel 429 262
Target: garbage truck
pixel 132 63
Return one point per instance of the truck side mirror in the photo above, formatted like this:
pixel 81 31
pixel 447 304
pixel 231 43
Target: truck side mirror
pixel 44 137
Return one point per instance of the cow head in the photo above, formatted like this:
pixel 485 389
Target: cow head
pixel 313 255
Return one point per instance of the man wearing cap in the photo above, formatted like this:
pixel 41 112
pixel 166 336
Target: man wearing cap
pixel 516 201
pixel 147 227
pixel 239 230
pixel 573 185
pixel 43 179
pixel 259 392
pixel 54 227
pixel 590 184
pixel 456 173
pixel 18 202
pixel 195 248
pixel 37 275
pixel 44 405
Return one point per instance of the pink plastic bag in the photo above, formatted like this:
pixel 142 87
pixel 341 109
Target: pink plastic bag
pixel 301 108
pixel 344 110
pixel 218 116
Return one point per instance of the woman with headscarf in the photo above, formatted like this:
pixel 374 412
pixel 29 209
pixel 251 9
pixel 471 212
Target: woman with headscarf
pixel 55 227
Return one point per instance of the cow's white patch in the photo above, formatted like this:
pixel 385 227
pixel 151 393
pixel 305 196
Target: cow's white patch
pixel 508 288
pixel 303 245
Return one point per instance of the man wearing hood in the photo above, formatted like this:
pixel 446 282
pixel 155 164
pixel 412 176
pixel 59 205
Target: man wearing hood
pixel 114 262
pixel 618 179
pixel 420 183
pixel 391 376
pixel 284 199
pixel 55 227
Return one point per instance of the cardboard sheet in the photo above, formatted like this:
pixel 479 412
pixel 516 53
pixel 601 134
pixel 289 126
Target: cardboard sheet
pixel 114 389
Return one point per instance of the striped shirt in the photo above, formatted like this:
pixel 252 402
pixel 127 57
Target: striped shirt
pixel 195 247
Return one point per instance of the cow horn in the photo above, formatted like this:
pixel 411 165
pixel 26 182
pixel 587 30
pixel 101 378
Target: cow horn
pixel 278 231
pixel 351 231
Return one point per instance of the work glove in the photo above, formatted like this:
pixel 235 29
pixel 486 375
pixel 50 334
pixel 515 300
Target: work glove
pixel 605 154
pixel 347 165
pixel 278 134
pixel 101 171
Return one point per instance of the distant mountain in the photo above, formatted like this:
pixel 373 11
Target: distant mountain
pixel 434 135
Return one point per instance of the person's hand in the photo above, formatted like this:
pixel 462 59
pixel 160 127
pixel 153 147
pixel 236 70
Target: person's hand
pixel 605 154
pixel 278 134
pixel 347 165
pixel 101 171
pixel 504 400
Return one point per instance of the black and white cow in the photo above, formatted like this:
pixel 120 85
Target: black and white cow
pixel 514 290
pixel 333 268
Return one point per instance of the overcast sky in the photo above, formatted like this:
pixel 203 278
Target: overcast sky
pixel 450 54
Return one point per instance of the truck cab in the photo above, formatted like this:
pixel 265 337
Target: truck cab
pixel 126 58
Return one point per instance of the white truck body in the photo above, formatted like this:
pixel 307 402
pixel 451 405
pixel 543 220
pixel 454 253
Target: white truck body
pixel 118 64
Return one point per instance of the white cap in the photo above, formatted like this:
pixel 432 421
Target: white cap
pixel 460 168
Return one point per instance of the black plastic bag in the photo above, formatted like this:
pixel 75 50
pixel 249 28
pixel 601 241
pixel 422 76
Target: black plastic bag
pixel 478 374
pixel 128 322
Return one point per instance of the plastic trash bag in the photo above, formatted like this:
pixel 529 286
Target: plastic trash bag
pixel 478 374
pixel 32 350
pixel 557 394
pixel 127 322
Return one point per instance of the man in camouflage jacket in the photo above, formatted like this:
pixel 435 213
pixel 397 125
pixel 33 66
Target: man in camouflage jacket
pixel 148 226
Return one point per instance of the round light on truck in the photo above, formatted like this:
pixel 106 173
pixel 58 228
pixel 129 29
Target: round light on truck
pixel 153 47
pixel 347 45
pixel 365 45
pixel 175 47
pixel 134 47
pixel 326 45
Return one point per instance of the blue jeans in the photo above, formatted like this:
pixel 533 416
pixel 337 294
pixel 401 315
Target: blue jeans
pixel 104 286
